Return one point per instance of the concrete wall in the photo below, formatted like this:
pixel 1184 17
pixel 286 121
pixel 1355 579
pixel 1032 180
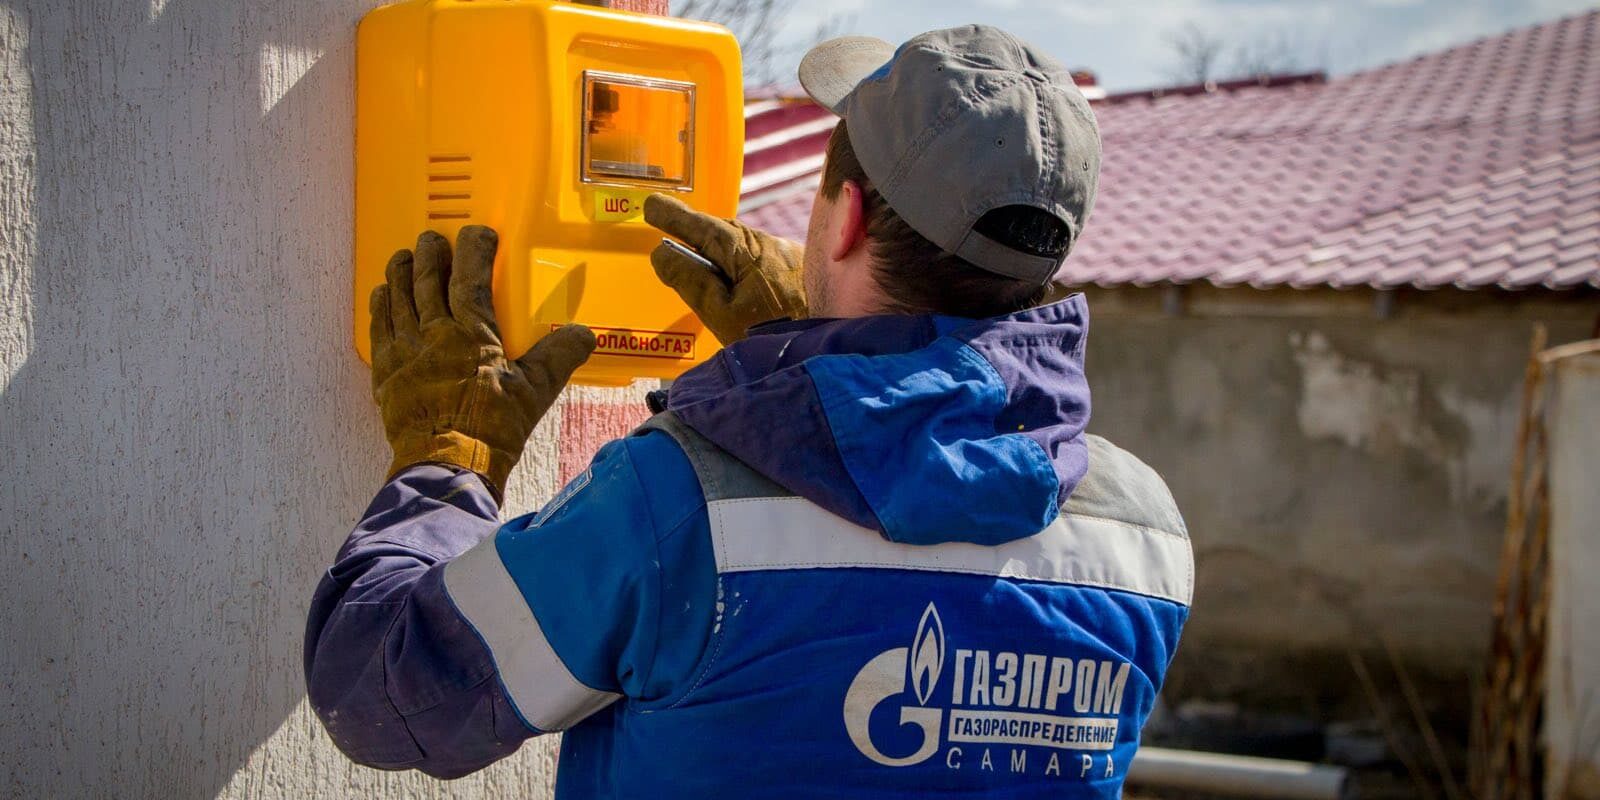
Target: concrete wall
pixel 1572 656
pixel 189 434
pixel 1343 475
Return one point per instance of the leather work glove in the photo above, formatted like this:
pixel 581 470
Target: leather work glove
pixel 760 278
pixel 446 390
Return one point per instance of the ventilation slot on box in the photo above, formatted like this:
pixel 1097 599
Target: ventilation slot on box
pixel 449 187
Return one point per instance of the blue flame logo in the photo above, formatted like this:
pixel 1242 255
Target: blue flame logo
pixel 927 654
pixel 891 674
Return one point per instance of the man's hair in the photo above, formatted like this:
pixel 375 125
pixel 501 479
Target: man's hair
pixel 916 275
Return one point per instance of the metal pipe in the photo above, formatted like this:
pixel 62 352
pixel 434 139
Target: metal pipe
pixel 1241 776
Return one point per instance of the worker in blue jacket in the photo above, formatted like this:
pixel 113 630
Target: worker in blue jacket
pixel 867 550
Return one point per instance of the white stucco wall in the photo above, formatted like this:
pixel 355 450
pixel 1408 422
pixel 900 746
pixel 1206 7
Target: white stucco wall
pixel 188 434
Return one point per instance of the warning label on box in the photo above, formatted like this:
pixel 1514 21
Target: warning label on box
pixel 614 205
pixel 649 344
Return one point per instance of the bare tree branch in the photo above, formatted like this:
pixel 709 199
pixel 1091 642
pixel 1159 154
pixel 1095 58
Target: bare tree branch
pixel 1267 54
pixel 758 25
pixel 1195 53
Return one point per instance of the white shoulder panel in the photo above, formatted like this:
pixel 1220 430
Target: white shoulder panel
pixel 540 685
pixel 793 533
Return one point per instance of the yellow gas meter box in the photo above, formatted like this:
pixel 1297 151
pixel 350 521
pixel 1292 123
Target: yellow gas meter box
pixel 549 122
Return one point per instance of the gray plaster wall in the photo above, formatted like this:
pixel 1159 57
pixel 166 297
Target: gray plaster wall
pixel 188 433
pixel 1343 477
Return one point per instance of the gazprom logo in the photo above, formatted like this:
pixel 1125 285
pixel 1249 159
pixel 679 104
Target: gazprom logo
pixel 886 676
pixel 997 699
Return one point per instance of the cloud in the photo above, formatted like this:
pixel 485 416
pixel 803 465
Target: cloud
pixel 1086 13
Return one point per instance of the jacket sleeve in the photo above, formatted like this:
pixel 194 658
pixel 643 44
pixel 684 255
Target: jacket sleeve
pixel 441 641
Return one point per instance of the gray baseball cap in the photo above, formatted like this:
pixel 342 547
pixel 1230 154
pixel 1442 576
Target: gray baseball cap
pixel 958 122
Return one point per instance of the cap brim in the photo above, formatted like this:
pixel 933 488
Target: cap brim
pixel 830 71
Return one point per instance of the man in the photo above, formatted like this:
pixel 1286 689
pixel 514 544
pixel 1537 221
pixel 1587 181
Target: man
pixel 869 553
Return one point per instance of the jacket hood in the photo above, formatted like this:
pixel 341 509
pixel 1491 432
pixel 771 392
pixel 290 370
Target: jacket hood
pixel 926 428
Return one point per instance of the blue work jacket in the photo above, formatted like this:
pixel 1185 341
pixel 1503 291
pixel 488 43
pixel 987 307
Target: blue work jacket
pixel 874 557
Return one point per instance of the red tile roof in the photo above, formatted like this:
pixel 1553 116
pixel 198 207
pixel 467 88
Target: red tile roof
pixel 1476 166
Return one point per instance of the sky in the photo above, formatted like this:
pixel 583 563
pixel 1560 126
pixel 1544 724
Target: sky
pixel 1127 43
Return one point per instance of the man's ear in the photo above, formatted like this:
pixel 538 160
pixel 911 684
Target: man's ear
pixel 849 223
